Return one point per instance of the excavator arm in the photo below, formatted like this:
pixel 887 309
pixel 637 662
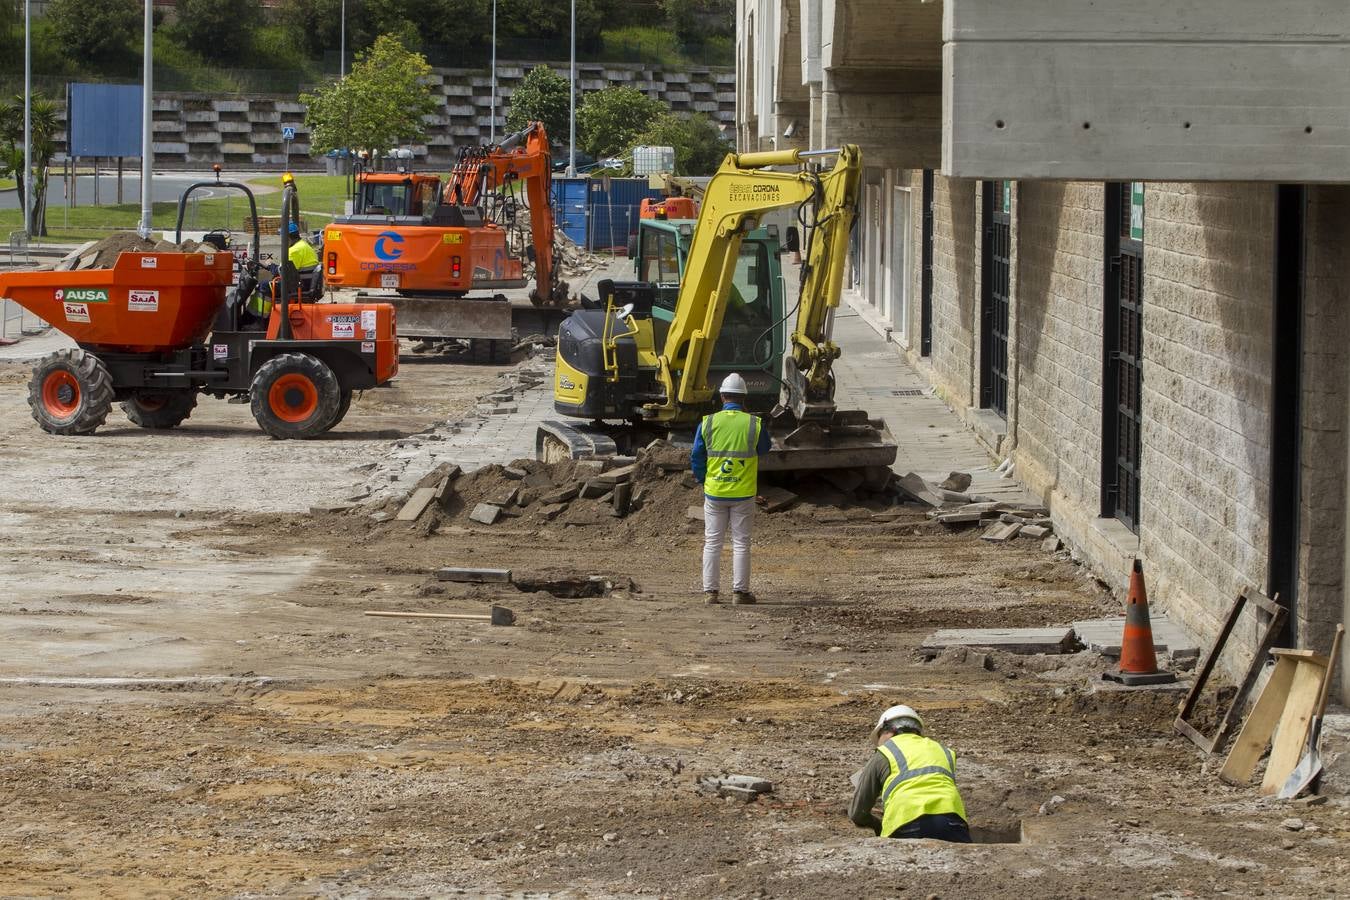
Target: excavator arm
pixel 525 157
pixel 743 188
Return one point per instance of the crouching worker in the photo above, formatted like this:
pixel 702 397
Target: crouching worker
pixel 914 778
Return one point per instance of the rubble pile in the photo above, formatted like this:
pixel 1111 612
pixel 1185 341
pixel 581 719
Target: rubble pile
pixel 1004 520
pixel 571 259
pixel 102 254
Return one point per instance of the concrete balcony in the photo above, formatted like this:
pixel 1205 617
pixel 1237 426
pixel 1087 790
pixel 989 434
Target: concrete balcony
pixel 1159 90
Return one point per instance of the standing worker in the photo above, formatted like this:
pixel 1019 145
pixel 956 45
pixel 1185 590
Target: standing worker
pixel 915 779
pixel 725 460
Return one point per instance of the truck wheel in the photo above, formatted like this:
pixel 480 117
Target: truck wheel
pixel 343 405
pixel 71 392
pixel 160 409
pixel 295 396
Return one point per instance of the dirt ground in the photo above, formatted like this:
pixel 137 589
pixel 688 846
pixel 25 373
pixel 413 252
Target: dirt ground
pixel 192 703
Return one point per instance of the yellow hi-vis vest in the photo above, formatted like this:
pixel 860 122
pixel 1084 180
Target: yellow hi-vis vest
pixel 302 255
pixel 922 782
pixel 731 438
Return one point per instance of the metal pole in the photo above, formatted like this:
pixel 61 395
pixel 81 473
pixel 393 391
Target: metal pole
pixel 27 118
pixel 147 123
pixel 342 44
pixel 492 129
pixel 572 103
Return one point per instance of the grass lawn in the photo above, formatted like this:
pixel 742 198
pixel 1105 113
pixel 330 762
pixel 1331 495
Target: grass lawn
pixel 6 184
pixel 321 198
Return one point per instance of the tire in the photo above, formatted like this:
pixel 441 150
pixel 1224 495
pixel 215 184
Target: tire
pixel 343 405
pixel 295 396
pixel 160 409
pixel 71 392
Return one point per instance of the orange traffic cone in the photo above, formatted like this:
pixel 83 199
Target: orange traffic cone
pixel 1138 663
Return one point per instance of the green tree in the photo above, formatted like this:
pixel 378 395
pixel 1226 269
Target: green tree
pixel 45 124
pixel 317 26
pixel 379 105
pixel 95 30
pixel 541 96
pixel 202 25
pixel 550 20
pixel 700 146
pixel 609 121
pixel 695 21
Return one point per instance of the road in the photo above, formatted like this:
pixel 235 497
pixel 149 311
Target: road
pixel 166 188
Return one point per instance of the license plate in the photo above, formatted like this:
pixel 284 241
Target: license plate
pixel 389 281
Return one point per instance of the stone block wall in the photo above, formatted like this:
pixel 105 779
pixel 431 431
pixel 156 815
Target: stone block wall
pixel 198 130
pixel 956 297
pixel 1205 466
pixel 1059 341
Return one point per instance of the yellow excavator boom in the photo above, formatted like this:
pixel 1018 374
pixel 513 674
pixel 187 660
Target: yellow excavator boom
pixel 743 188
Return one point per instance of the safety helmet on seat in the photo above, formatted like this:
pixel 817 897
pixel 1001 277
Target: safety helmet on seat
pixel 733 384
pixel 898 718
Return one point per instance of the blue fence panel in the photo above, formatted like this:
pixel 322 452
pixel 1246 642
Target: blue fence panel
pixel 614 213
pixel 569 207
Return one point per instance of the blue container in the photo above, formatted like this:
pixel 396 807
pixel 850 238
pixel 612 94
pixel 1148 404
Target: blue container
pixel 569 207
pixel 614 212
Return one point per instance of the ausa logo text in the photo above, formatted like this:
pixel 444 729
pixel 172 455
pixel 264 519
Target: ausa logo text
pixel 82 295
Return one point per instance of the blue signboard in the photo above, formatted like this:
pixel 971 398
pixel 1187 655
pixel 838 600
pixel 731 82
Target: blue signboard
pixel 103 120
pixel 288 133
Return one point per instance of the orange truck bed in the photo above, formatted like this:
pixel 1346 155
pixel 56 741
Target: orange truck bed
pixel 147 302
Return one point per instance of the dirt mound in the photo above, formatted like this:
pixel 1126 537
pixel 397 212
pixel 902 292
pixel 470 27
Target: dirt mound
pixel 102 254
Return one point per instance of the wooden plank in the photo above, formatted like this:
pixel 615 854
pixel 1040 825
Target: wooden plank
pixel 1292 733
pixel 416 505
pixel 1012 640
pixel 1260 724
pixel 1258 661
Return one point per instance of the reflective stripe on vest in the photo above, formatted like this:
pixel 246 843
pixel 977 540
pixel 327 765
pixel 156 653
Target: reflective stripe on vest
pixel 929 787
pixel 731 438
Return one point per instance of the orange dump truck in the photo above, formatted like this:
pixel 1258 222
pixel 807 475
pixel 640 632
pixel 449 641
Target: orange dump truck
pixel 158 329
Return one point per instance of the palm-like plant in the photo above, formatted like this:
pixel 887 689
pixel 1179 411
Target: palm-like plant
pixel 45 121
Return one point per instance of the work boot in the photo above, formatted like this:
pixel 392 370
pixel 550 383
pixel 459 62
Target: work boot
pixel 711 597
pixel 743 598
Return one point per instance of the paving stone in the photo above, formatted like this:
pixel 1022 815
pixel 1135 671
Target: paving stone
pixel 614 476
pixel 775 499
pixel 417 504
pixel 1003 531
pixel 485 513
pixel 1103 636
pixel 562 494
pixel 1011 640
pixel 595 490
pixel 1036 532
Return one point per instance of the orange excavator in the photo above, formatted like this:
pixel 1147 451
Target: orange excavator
pixel 435 243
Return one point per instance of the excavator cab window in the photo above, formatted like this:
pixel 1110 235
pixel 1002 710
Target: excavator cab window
pixel 749 313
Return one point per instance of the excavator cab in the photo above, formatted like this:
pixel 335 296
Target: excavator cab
pixel 396 194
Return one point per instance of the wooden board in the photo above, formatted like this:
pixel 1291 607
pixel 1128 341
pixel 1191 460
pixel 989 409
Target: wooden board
pixel 1260 724
pixel 1011 640
pixel 1291 735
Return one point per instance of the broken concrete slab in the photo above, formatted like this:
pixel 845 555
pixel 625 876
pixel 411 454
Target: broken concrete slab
pixel 551 511
pixel 775 499
pixel 514 473
pixel 562 494
pixel 1103 636
pixel 1001 532
pixel 497 409
pixel 589 468
pixel 1027 641
pixel 334 508
pixel 1052 544
pixel 915 488
pixel 960 517
pixel 742 787
pixel 695 513
pixel 417 504
pixel 956 481
pixel 485 514
pixel 595 490
pixel 507 499
pixel 538 480
pixel 1035 532
pixel 622 499
pixel 473 576
pixel 615 476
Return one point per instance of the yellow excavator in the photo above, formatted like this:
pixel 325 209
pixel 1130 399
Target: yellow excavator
pixel 635 376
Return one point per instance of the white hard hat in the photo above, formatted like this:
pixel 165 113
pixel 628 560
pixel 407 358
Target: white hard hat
pixel 897 712
pixel 733 384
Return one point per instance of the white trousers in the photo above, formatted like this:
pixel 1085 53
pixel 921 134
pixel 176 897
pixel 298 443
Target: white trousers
pixel 716 516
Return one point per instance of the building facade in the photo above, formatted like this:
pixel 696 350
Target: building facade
pixel 1129 293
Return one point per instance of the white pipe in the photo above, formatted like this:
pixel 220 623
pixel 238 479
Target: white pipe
pixel 572 103
pixel 147 123
pixel 492 129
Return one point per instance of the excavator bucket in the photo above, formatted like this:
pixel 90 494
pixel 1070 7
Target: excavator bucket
pixel 848 440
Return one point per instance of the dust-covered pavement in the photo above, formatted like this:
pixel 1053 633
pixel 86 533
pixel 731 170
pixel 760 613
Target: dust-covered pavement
pixel 196 705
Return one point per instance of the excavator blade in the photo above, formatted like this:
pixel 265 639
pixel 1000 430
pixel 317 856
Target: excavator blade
pixel 849 439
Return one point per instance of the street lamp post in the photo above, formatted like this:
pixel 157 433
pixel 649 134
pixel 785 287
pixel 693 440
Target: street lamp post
pixel 27 118
pixel 342 43
pixel 572 103
pixel 492 128
pixel 147 122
